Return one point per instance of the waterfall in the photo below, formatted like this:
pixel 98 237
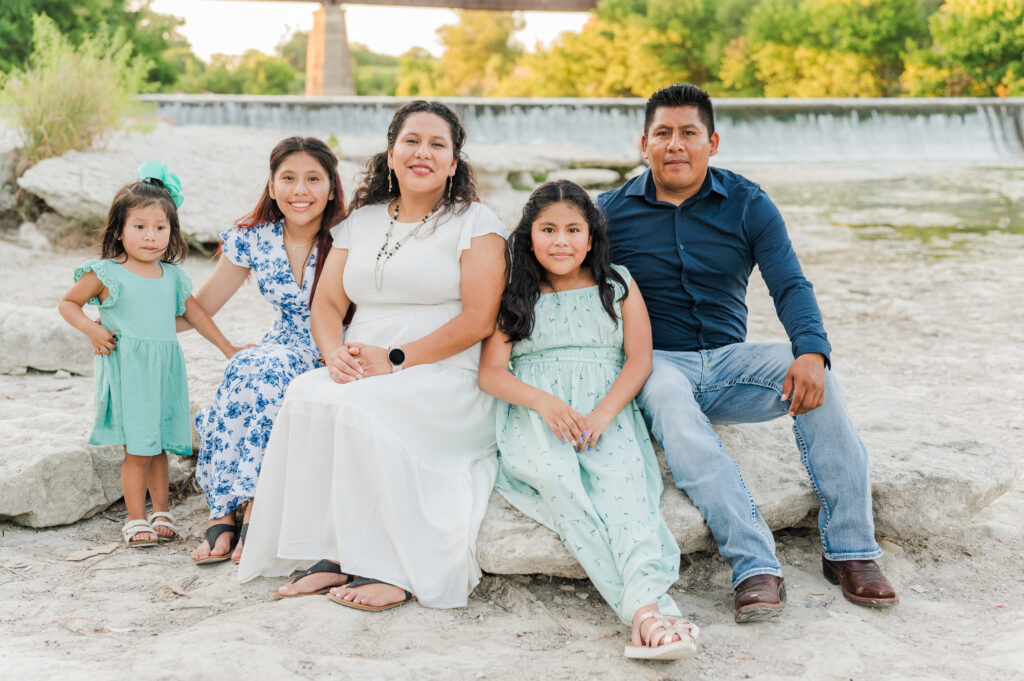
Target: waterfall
pixel 809 130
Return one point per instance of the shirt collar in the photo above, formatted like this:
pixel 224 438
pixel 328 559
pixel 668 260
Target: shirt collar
pixel 644 186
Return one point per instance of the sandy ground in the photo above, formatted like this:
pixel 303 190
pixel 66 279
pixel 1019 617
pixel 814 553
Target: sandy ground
pixel 929 324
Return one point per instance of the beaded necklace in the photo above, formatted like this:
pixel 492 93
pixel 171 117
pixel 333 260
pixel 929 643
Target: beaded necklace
pixel 383 255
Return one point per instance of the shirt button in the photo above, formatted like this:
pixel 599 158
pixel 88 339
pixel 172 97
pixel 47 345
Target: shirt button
pixel 681 248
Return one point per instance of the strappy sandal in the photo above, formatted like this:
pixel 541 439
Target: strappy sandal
pixel 168 522
pixel 321 566
pixel 662 649
pixel 212 532
pixel 363 581
pixel 134 527
pixel 241 540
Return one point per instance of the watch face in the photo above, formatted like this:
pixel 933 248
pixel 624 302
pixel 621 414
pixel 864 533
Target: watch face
pixel 396 356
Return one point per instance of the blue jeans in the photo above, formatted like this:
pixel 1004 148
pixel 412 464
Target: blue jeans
pixel 742 383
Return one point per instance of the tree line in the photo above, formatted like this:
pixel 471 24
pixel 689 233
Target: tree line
pixel 628 48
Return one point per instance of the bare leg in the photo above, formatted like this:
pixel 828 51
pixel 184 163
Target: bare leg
pixel 134 471
pixel 237 554
pixel 158 484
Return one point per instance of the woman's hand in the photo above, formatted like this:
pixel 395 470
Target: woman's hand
pixel 372 358
pixel 567 423
pixel 103 342
pixel 597 423
pixel 342 366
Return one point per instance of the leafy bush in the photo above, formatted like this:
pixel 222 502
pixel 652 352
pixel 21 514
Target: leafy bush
pixel 67 97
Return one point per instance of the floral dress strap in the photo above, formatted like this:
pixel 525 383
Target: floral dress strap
pixel 101 269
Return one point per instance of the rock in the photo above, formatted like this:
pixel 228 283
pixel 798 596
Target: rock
pixel 50 476
pixel 29 236
pixel 920 489
pixel 638 170
pixel 38 338
pixel 589 178
pixel 937 487
pixel 81 185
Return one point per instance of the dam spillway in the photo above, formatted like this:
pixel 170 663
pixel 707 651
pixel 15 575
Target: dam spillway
pixel 752 130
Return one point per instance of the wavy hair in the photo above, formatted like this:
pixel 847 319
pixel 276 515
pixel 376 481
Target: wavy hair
pixel 149 192
pixel 267 210
pixel 516 314
pixel 375 186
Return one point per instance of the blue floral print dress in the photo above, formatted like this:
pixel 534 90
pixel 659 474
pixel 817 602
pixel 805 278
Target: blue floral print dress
pixel 603 503
pixel 234 430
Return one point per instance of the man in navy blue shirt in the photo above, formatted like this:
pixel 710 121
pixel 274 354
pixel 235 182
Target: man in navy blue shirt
pixel 690 235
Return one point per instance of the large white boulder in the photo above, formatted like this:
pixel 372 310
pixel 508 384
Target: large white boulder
pixel 38 338
pixel 49 475
pixel 222 170
pixel 920 488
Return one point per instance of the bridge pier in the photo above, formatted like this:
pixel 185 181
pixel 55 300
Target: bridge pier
pixel 328 58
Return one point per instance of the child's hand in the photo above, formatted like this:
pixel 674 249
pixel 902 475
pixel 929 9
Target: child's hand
pixel 597 423
pixel 567 423
pixel 103 342
pixel 235 349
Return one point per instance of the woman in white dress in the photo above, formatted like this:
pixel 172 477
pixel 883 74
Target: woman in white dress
pixel 381 464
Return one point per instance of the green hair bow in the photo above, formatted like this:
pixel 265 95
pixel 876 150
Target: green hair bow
pixel 155 170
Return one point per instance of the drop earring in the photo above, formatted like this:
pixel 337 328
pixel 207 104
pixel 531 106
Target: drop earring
pixel 451 181
pixel 391 187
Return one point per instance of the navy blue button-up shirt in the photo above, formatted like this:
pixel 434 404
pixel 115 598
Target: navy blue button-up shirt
pixel 692 262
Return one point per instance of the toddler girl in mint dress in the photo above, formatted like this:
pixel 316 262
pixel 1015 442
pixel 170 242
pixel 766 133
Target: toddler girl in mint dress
pixel 141 392
pixel 574 453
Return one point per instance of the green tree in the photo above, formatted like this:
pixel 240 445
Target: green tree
pixel 375 73
pixel 67 96
pixel 978 51
pixel 820 48
pixel 293 49
pixel 478 52
pixel 416 70
pixel 74 19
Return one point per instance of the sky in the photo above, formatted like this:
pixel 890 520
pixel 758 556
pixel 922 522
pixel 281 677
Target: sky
pixel 389 30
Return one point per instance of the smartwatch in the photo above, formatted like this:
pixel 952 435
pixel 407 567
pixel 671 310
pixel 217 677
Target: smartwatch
pixel 397 358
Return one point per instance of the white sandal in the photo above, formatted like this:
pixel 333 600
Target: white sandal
pixel 662 649
pixel 168 522
pixel 134 527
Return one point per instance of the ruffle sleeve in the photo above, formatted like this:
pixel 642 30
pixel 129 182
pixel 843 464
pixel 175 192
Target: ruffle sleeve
pixel 480 220
pixel 99 268
pixel 184 284
pixel 237 243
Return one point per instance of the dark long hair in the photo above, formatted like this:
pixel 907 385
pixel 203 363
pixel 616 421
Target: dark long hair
pixel 140 194
pixel 515 316
pixel 266 209
pixel 375 186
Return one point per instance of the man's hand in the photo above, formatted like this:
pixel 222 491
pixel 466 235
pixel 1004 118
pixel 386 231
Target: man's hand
pixel 805 382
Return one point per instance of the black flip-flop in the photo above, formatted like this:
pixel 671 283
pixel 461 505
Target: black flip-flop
pixel 212 532
pixel 321 566
pixel 363 581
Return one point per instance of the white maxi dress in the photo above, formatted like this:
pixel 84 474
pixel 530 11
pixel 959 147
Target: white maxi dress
pixel 388 475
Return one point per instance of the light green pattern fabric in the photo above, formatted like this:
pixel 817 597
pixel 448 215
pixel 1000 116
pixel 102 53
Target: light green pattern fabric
pixel 603 503
pixel 141 388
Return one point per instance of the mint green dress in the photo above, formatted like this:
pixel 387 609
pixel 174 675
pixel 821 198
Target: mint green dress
pixel 603 503
pixel 141 391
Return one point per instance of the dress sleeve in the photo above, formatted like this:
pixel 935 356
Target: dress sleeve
pixel 237 244
pixel 184 289
pixel 340 235
pixel 626 277
pixel 480 220
pixel 99 267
